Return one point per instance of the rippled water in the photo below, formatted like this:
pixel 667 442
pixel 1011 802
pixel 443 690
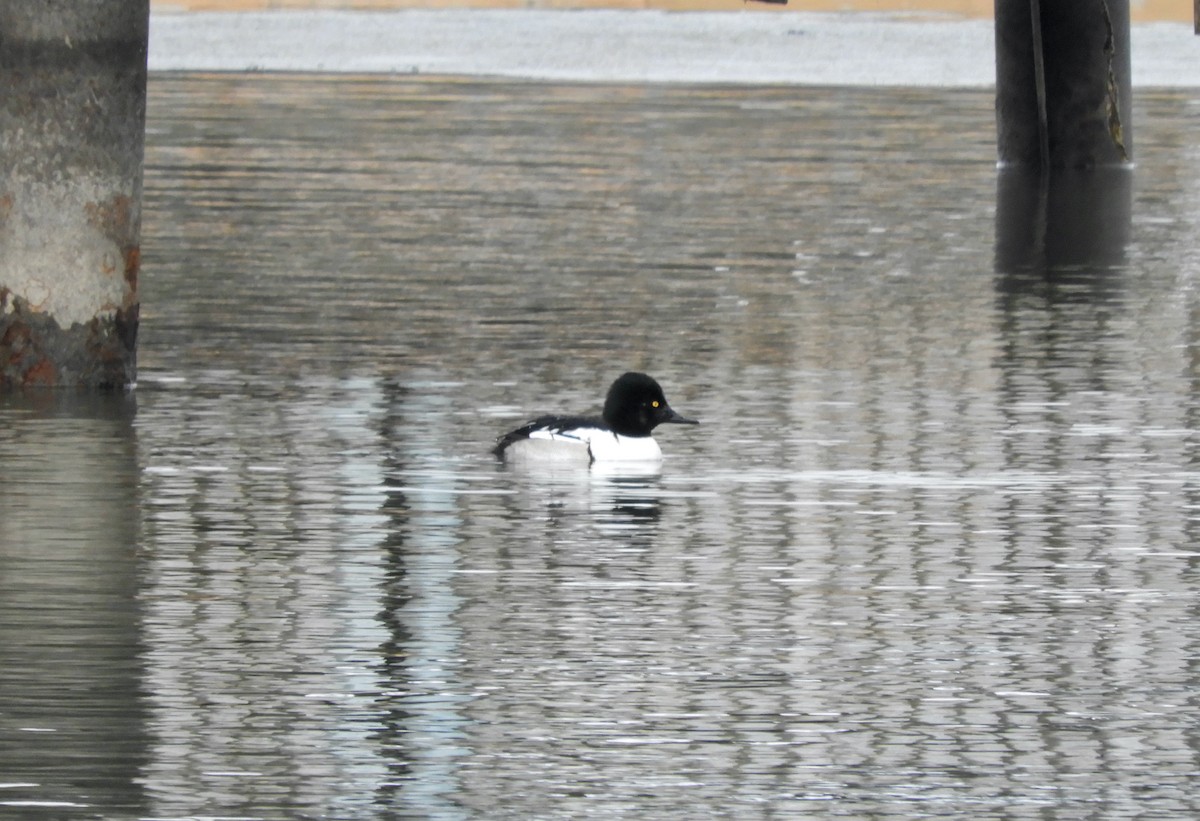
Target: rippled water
pixel 932 552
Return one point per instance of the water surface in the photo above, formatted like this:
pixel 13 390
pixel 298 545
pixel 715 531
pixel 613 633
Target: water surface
pixel 932 552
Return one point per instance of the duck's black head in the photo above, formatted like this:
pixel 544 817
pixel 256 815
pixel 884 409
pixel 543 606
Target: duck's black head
pixel 635 405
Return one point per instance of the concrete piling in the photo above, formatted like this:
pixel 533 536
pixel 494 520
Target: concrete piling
pixel 72 130
pixel 1063 83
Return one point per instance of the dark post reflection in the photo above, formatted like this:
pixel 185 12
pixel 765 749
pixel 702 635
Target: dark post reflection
pixel 1060 267
pixel 1060 262
pixel 72 716
pixel 397 718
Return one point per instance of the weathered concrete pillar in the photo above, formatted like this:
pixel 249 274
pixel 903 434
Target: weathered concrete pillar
pixel 1063 86
pixel 72 126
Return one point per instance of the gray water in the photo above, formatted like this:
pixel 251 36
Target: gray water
pixel 932 553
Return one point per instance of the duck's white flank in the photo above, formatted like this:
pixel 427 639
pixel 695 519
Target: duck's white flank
pixel 586 444
pixel 544 448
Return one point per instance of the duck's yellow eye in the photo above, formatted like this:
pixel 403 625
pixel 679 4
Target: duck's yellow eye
pixel 654 403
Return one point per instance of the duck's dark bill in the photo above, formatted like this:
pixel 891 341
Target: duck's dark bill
pixel 680 420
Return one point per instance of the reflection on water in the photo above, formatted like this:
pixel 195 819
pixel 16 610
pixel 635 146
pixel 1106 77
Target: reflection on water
pixel 932 552
pixel 72 658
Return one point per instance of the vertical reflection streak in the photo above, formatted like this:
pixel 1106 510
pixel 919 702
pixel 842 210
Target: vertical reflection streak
pixel 422 694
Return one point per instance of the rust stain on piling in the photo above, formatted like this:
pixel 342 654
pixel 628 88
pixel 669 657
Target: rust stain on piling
pixel 24 364
pixel 43 374
pixel 115 220
pixel 36 352
pixel 112 218
pixel 133 265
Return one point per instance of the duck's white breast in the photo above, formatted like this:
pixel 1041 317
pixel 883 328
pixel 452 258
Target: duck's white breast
pixel 607 446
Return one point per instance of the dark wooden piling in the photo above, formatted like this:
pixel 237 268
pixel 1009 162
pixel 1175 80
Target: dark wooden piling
pixel 1076 222
pixel 72 125
pixel 1063 83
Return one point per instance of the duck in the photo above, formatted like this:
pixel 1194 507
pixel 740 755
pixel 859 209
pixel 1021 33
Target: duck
pixel 634 406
